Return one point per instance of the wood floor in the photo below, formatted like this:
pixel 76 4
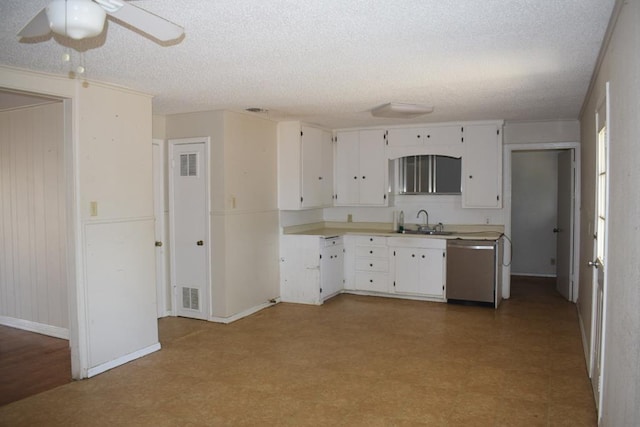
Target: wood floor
pixel 31 363
pixel 354 361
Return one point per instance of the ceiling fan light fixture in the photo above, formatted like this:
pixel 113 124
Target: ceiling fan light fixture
pixel 78 19
pixel 399 110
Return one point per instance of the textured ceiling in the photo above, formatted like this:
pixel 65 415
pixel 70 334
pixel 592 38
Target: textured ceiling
pixel 331 61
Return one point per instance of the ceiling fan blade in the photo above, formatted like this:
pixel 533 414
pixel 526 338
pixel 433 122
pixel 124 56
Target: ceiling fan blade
pixel 38 26
pixel 144 21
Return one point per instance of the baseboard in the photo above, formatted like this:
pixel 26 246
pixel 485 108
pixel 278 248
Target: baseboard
pixel 91 372
pixel 245 313
pixel 40 328
pixel 585 343
pixel 553 276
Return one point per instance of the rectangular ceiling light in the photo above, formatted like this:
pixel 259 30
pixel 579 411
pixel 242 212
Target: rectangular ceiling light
pixel 400 111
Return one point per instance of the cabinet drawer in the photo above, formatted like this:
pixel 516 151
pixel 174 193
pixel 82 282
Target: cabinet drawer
pixel 372 251
pixel 376 282
pixel 371 240
pixel 372 264
pixel 332 241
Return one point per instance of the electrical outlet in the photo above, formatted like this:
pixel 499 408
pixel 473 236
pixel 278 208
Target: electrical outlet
pixel 349 218
pixel 553 261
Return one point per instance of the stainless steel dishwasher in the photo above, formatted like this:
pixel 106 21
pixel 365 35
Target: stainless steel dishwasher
pixel 471 272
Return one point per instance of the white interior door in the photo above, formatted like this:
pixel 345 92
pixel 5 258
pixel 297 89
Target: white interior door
pixel 564 229
pixel 158 212
pixel 599 301
pixel 189 215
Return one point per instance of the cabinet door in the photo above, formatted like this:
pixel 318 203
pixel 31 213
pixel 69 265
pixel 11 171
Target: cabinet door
pixel 327 169
pixel 408 271
pixel 347 168
pixel 404 137
pixel 482 167
pixel 331 267
pixel 373 168
pixel 312 170
pixel 432 264
pixel 441 135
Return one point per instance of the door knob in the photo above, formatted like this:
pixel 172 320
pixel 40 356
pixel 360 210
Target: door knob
pixel 557 230
pixel 593 264
pixel 158 244
pixel 199 243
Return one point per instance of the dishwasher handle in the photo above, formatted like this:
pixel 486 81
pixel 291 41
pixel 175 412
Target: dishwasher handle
pixel 475 245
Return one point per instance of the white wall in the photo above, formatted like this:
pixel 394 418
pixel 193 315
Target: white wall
pixel 534 212
pixel 33 229
pixel 107 159
pixel 115 171
pixel 621 67
pixel 244 217
pixel 541 131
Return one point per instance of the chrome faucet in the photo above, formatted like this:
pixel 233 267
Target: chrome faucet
pixel 426 219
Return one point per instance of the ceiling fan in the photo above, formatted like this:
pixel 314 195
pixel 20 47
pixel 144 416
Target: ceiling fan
pixel 81 19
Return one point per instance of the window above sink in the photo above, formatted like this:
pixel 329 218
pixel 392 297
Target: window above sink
pixel 429 175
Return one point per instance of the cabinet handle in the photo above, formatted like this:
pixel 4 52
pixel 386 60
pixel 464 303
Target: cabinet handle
pixel 199 243
pixel 158 244
pixel 371 239
pixel 413 255
pixel 418 136
pixel 370 280
pixel 428 136
pixel 355 177
pixel 370 265
pixel 364 177
pixel 370 252
pixel 320 178
pixel 470 176
pixel 422 256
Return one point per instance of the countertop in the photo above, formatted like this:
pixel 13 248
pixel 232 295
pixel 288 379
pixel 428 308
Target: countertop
pixel 333 229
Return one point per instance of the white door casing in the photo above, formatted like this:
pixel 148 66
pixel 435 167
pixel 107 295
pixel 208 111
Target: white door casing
pixel 564 228
pixel 575 237
pixel 158 211
pixel 189 226
pixel 600 250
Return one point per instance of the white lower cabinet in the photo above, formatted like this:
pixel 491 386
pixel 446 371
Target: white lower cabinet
pixel 315 268
pixel 312 268
pixel 418 267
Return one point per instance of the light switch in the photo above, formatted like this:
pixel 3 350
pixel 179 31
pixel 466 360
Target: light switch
pixel 93 208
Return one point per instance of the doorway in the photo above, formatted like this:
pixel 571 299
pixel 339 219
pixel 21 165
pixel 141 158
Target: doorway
pixel 189 209
pixel 542 213
pixel 37 286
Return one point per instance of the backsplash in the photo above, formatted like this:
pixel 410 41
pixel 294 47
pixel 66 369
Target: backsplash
pixel 445 209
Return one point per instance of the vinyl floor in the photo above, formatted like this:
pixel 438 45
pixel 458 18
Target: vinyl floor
pixel 355 361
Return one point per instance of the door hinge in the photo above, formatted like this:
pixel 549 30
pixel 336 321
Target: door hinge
pixel 394 284
pixel 385 197
pixel 394 253
pixel 497 131
pixel 443 255
pixel 498 197
pixel 320 290
pixel 301 199
pixel 301 133
pixel 462 129
pixel 320 256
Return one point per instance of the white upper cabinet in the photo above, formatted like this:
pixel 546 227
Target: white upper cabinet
pixel 482 166
pixel 361 168
pixel 432 135
pixel 305 166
